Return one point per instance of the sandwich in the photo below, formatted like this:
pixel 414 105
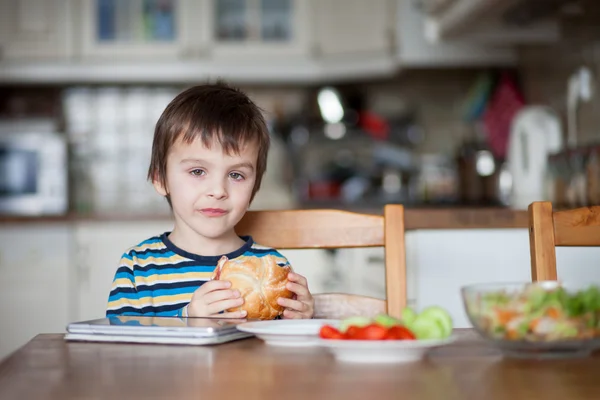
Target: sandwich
pixel 260 281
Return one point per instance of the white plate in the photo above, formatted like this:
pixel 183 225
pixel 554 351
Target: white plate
pixel 287 332
pixel 381 351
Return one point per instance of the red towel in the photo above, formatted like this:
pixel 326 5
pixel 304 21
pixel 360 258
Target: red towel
pixel 506 101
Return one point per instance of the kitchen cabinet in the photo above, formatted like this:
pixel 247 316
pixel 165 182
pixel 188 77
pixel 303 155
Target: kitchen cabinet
pixel 507 22
pixel 243 41
pixel 415 50
pixel 35 282
pixel 35 29
pixel 352 27
pixel 254 29
pixel 134 29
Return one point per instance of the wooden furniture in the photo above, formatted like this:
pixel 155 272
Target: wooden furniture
pixel 548 229
pixel 327 229
pixel 50 368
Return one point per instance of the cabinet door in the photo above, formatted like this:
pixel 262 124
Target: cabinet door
pixel 130 29
pixel 352 26
pixel 258 28
pixel 98 250
pixel 35 282
pixel 35 29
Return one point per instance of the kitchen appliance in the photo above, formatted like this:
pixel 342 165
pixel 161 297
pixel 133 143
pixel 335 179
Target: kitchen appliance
pixel 33 168
pixel 535 134
pixel 483 179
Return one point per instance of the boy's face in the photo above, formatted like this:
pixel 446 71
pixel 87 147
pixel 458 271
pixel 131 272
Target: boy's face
pixel 210 191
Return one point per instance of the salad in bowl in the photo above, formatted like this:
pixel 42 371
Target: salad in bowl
pixel 539 319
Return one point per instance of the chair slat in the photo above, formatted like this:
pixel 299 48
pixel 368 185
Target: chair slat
pixel 305 229
pixel 578 227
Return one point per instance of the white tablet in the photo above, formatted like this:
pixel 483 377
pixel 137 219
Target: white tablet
pixel 167 330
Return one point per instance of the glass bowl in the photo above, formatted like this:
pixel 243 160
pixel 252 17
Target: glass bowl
pixel 536 320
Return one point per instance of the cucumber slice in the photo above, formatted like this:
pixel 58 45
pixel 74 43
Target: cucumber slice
pixel 387 320
pixel 440 316
pixel 427 328
pixel 354 321
pixel 408 316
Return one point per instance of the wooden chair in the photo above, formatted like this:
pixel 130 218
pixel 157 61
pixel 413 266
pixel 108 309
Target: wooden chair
pixel 332 229
pixel 548 229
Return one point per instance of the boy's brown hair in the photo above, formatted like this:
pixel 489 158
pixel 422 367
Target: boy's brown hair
pixel 208 112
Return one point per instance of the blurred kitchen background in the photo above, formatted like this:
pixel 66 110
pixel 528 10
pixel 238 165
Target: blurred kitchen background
pixel 429 103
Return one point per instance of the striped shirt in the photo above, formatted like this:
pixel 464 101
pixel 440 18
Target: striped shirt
pixel 157 278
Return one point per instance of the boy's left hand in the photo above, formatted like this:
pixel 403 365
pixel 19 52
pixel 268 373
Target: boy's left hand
pixel 302 306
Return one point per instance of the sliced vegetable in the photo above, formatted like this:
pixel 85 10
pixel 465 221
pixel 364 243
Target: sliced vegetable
pixel 387 320
pixel 432 323
pixel 330 332
pixel 440 316
pixel 408 315
pixel 427 328
pixel 370 332
pixel 400 333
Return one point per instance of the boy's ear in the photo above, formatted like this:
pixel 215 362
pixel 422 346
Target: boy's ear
pixel 159 187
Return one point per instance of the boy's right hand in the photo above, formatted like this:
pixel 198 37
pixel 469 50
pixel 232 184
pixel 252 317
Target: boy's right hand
pixel 213 297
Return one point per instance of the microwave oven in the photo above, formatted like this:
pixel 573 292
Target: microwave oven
pixel 33 169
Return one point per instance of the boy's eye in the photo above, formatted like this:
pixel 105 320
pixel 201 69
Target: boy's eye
pixel 197 172
pixel 236 176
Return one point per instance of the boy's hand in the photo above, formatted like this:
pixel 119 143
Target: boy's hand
pixel 303 304
pixel 213 297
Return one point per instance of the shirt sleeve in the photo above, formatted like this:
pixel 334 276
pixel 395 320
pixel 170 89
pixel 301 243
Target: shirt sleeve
pixel 125 299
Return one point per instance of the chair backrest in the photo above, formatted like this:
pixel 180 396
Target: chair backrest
pixel 329 229
pixel 548 229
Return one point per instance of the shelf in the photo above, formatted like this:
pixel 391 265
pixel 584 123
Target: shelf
pixel 291 70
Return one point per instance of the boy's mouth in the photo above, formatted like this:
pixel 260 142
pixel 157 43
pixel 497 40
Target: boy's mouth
pixel 213 212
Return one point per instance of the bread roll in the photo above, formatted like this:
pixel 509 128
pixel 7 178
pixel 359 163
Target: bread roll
pixel 260 282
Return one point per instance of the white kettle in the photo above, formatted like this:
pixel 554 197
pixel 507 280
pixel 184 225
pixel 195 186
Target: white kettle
pixel 535 133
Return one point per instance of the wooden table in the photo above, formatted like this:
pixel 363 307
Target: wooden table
pixel 49 368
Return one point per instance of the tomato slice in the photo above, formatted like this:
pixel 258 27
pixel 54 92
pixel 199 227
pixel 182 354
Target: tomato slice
pixel 330 332
pixel 370 332
pixel 352 331
pixel 398 332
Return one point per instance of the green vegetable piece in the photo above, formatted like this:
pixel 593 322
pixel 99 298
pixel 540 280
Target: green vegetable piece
pixel 408 316
pixel 387 320
pixel 354 321
pixel 439 315
pixel 564 329
pixel 427 328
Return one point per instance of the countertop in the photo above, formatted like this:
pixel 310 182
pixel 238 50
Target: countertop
pixel 415 218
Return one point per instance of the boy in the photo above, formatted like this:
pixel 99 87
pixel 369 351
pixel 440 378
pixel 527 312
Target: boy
pixel 208 157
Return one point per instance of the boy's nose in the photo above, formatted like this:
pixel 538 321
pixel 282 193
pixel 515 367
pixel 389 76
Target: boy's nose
pixel 217 190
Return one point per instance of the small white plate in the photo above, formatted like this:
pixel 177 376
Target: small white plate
pixel 381 351
pixel 288 332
